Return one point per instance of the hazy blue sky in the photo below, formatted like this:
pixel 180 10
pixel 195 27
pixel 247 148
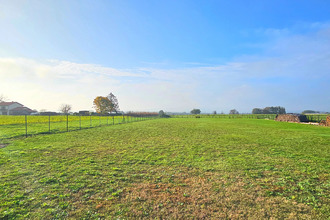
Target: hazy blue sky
pixel 170 55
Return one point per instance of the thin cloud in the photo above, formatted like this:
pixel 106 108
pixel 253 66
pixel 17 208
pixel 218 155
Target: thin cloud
pixel 292 72
pixel 66 68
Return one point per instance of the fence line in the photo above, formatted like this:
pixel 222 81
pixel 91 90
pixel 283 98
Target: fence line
pixel 316 117
pixel 229 116
pixel 311 118
pixel 18 126
pixel 26 125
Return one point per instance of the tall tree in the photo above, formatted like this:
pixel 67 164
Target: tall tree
pixel 102 105
pixel 114 102
pixel 162 114
pixel 233 112
pixel 257 111
pixel 269 110
pixel 274 110
pixel 195 111
pixel 65 108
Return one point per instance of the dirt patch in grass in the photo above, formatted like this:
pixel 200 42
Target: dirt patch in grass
pixel 3 145
pixel 207 197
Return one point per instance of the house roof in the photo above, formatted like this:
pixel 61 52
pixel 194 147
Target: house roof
pixel 22 109
pixel 9 103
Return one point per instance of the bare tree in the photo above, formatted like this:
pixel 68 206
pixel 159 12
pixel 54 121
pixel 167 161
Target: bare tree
pixel 2 98
pixel 65 108
pixel 114 102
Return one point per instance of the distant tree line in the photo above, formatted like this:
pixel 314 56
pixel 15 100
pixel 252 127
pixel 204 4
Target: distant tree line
pixel 310 112
pixel 269 110
pixel 197 111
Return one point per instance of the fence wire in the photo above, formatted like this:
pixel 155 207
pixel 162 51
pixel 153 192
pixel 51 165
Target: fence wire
pixel 27 125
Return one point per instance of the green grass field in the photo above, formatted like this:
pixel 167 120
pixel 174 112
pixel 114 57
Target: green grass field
pixel 14 126
pixel 170 168
pixel 20 119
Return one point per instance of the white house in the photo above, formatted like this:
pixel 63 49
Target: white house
pixel 6 107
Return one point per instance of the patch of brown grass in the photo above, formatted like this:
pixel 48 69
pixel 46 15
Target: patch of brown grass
pixel 209 197
pixel 188 194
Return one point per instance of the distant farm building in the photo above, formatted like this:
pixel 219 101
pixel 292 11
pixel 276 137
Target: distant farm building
pixel 49 113
pixel 291 118
pixel 84 113
pixel 14 108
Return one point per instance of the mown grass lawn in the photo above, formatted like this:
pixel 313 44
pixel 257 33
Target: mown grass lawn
pixel 170 168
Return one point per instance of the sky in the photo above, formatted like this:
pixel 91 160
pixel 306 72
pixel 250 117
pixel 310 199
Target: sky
pixel 166 55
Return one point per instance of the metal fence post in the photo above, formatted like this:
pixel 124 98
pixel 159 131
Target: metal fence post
pixel 26 126
pixel 49 124
pixel 113 120
pixel 90 121
pixel 67 123
pixel 80 121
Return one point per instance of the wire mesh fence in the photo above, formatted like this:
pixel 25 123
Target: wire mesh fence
pixel 316 117
pixel 310 117
pixel 229 116
pixel 26 125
